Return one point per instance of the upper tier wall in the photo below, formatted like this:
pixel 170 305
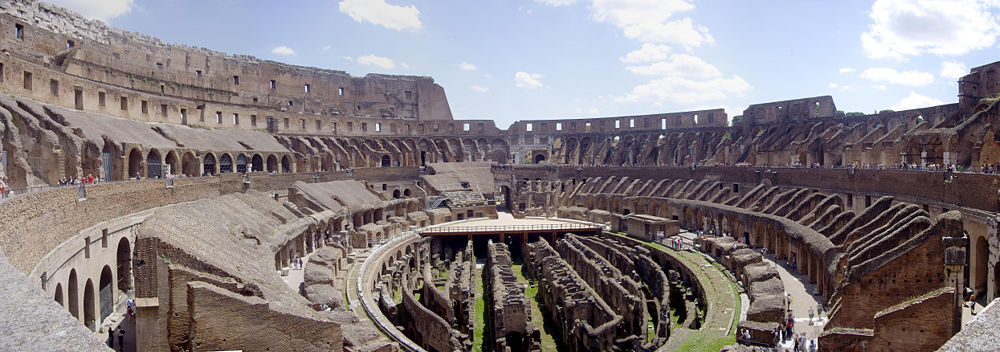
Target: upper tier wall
pixel 89 49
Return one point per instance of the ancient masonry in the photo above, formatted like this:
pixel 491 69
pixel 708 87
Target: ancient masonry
pixel 234 169
pixel 509 312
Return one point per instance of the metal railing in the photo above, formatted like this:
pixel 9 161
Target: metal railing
pixel 511 228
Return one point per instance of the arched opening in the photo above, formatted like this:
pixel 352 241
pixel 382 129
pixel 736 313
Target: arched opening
pixel 386 161
pixel 59 295
pixel 89 311
pixel 154 167
pixel 209 164
pixel 982 263
pixel 189 164
pixel 73 294
pixel 406 192
pixel 134 163
pixel 241 163
pixel 173 167
pixel 539 158
pixel 286 165
pixel 272 163
pixel 256 163
pixel 106 292
pixel 225 164
pixel 395 194
pixel 123 265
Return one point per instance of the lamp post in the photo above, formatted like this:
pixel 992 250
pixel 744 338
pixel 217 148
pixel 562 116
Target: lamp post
pixel 954 265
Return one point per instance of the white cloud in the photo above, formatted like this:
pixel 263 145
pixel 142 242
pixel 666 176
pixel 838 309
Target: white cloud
pixel 835 85
pixel 327 48
pixel 906 78
pixel 380 13
pixel 465 66
pixel 103 10
pixel 348 58
pixel 681 65
pixel 904 28
pixel 404 65
pixel 526 80
pixel 283 50
pixel 684 91
pixel 488 75
pixel 650 21
pixel 879 87
pixel 557 2
pixel 914 101
pixel 382 62
pixel 588 111
pixel 952 69
pixel 648 52
pixel 480 89
pixel 846 70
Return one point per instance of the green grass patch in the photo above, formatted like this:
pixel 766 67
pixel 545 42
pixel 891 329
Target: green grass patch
pixel 548 342
pixel 480 312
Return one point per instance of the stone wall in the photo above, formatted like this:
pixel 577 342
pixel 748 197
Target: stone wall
pixel 508 311
pixel 584 320
pixel 224 320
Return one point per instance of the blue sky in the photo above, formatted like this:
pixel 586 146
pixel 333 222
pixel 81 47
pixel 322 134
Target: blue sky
pixel 550 59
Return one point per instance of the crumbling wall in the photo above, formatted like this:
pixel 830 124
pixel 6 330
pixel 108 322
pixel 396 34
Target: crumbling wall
pixel 426 328
pixel 584 320
pixel 508 310
pixel 223 320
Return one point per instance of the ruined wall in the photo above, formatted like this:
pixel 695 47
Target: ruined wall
pixel 92 51
pixel 622 293
pixel 426 328
pixel 508 310
pixel 585 321
pixel 223 320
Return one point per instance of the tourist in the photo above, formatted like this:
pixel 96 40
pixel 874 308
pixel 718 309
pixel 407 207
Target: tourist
pixel 811 313
pixel 746 335
pixel 795 343
pixel 121 337
pixel 111 337
pixel 972 304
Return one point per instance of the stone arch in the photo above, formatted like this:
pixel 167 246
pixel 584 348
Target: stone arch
pixel 395 194
pixel 256 163
pixel 89 308
pixel 73 294
pixel 123 265
pixel 90 160
pixel 58 297
pixel 407 192
pixel 154 164
pixel 134 163
pixel 241 163
pixel 386 161
pixel 225 163
pixel 210 164
pixel 105 289
pixel 982 258
pixel 286 164
pixel 174 164
pixel 189 164
pixel 272 163
pixel 116 163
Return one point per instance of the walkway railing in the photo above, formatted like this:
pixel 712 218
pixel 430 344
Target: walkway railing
pixel 510 228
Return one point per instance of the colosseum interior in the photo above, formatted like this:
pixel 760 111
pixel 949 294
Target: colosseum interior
pixel 359 215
